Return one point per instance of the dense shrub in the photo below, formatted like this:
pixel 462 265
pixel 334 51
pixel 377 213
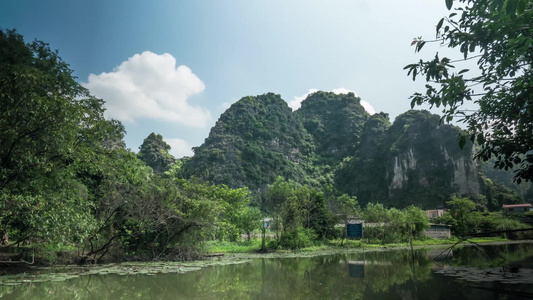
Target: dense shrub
pixel 393 225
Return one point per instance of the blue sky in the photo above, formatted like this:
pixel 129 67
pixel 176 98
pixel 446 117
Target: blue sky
pixel 172 67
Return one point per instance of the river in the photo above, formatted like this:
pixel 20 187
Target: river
pixel 488 272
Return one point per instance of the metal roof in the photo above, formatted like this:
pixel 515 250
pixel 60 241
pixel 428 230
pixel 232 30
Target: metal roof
pixel 516 205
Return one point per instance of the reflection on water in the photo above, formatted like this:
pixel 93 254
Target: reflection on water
pixel 356 269
pixel 372 275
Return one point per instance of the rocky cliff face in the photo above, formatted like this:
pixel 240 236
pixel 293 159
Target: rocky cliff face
pixel 416 160
pixel 465 179
pixel 425 162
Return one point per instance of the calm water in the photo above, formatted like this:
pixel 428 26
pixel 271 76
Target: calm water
pixel 374 275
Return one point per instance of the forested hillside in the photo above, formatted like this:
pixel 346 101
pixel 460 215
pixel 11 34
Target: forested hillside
pixel 253 142
pixel 332 141
pixel 335 122
pixel 414 161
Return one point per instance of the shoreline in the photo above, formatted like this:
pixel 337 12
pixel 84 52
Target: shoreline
pixel 333 251
pixel 65 272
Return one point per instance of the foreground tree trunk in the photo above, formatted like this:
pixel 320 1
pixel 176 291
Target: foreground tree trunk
pixel 5 238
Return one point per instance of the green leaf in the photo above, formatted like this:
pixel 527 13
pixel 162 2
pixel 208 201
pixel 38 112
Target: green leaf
pixel 439 25
pixel 464 49
pixel 449 4
pixel 419 46
pixel 413 103
pixel 463 71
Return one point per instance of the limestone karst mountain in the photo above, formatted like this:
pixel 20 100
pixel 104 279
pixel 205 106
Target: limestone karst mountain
pixel 332 140
pixel 253 142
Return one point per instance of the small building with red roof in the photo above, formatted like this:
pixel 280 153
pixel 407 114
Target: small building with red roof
pixel 517 208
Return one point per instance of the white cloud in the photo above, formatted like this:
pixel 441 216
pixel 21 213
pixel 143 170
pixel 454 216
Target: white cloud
pixel 226 105
pixel 343 91
pixel 369 108
pixel 296 103
pixel 150 86
pixel 179 148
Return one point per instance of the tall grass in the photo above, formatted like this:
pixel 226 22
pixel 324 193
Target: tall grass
pixel 233 247
pixel 254 245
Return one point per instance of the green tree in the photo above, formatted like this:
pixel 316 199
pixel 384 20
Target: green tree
pixel 51 127
pixel 115 184
pixel 375 213
pixel 154 152
pixel 498 34
pixel 234 203
pixel 416 220
pixel 317 216
pixel 389 224
pixel 170 216
pixel 462 210
pixel 277 194
pixel 250 220
pixel 46 115
pixel 301 215
pixel 465 218
pixel 346 205
pixel 394 225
